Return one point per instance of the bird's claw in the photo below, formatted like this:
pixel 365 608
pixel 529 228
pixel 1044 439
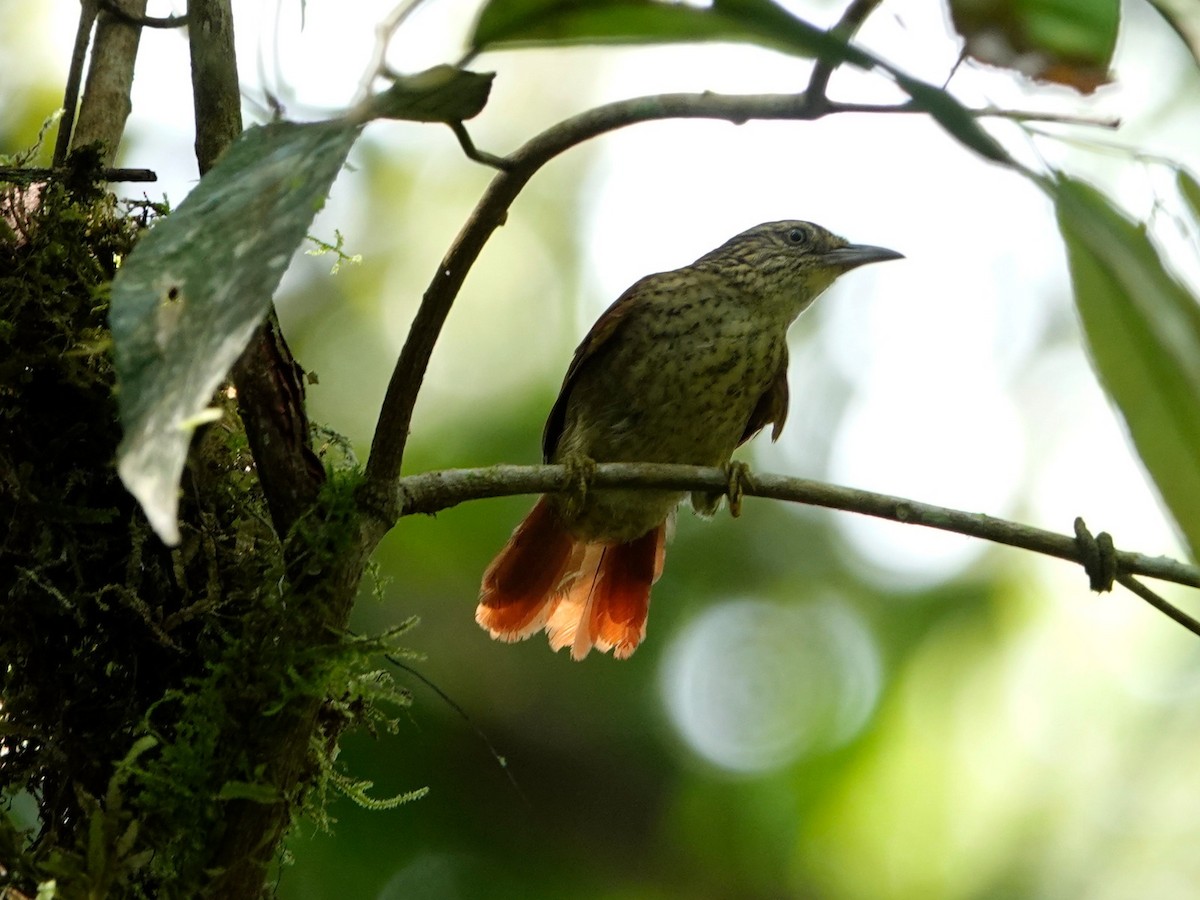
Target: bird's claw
pixel 737 477
pixel 582 471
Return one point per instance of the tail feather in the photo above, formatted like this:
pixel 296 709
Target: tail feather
pixel 523 582
pixel 564 627
pixel 584 594
pixel 607 600
pixel 621 598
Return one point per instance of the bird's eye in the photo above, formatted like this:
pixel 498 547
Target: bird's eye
pixel 796 236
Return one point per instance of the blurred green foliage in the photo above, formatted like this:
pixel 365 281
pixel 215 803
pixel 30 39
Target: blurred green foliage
pixel 1019 742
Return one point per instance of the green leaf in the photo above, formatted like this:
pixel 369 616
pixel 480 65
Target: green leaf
pixel 528 23
pixel 1064 41
pixel 1184 18
pixel 440 94
pixel 1076 31
pixel 958 121
pixel 1143 332
pixel 188 299
pixel 1189 189
pixel 525 23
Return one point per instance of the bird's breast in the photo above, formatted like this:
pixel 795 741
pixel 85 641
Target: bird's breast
pixel 678 387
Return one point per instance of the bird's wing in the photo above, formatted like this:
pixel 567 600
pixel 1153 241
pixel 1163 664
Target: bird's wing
pixel 597 341
pixel 772 406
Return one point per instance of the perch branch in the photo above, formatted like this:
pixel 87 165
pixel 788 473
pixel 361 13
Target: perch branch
pixel 430 492
pixel 395 418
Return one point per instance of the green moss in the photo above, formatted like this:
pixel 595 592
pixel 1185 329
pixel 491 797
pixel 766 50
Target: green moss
pixel 146 690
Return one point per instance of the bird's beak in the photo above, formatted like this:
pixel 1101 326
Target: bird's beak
pixel 854 255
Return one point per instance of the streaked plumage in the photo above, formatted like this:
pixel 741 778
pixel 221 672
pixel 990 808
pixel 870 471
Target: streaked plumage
pixel 684 367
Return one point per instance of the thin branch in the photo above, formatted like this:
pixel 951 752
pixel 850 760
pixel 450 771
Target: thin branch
pixel 106 104
pixel 83 36
pixel 384 32
pixel 1159 603
pixel 852 18
pixel 474 153
pixel 433 491
pixel 29 175
pixel 392 428
pixel 989 112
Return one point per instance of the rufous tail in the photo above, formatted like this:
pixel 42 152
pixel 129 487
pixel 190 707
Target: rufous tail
pixel 583 594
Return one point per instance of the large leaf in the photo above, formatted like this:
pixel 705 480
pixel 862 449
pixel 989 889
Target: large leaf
pixel 526 23
pixel 1143 331
pixel 1184 17
pixel 531 23
pixel 186 302
pixel 1064 41
pixel 1189 189
pixel 441 94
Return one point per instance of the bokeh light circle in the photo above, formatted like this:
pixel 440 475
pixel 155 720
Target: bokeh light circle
pixel 751 686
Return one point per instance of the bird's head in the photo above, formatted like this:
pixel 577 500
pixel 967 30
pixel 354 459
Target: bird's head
pixel 790 261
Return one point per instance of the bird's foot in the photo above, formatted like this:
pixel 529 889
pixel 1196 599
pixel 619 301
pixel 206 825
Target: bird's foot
pixel 737 475
pixel 581 469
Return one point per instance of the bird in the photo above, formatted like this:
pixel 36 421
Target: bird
pixel 684 367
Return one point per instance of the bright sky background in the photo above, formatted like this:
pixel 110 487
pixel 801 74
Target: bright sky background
pixel 948 403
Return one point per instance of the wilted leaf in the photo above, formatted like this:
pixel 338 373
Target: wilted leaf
pixel 1143 331
pixel 186 302
pixel 1067 42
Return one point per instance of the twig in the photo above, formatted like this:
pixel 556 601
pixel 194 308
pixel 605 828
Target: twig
pixel 29 175
pixel 106 104
pixel 474 153
pixel 83 36
pixel 1159 603
pixel 384 32
pixel 430 492
pixel 990 112
pixel 853 17
pixel 457 708
pixel 391 431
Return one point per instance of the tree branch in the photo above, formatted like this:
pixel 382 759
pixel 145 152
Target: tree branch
pixel 378 495
pixel 83 36
pixel 216 93
pixel 852 18
pixel 31 175
pixel 106 104
pixel 270 396
pixel 433 491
